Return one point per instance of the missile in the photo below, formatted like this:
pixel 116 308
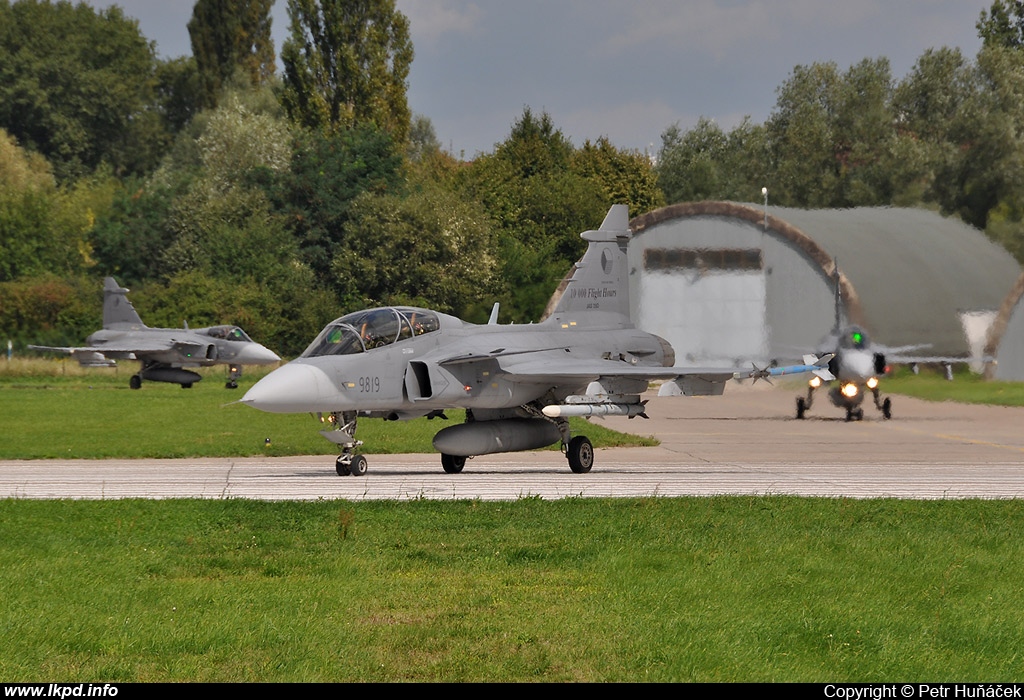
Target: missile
pixel 815 365
pixel 594 409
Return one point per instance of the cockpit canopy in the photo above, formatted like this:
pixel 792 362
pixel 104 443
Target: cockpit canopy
pixel 228 333
pixel 373 328
pixel 855 338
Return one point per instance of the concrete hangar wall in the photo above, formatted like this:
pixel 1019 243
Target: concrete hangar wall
pixel 724 288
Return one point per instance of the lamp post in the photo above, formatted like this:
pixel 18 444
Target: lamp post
pixel 764 191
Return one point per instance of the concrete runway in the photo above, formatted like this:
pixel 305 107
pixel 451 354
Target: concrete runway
pixel 745 442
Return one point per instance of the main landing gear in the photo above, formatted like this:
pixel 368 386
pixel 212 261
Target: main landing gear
pixel 853 412
pixel 580 454
pixel 578 450
pixel 501 434
pixel 452 464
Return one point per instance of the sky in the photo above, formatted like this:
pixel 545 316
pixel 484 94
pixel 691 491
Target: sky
pixel 623 69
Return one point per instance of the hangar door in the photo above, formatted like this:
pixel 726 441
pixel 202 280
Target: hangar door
pixel 709 304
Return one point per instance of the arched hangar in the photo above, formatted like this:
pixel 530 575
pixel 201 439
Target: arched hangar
pixel 726 283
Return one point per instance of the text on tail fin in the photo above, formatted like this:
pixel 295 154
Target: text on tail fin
pixel 600 283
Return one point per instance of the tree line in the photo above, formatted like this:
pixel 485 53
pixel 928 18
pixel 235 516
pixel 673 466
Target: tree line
pixel 222 192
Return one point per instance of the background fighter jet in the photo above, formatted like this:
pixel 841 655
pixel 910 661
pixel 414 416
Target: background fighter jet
pixel 518 383
pixel 858 364
pixel 163 352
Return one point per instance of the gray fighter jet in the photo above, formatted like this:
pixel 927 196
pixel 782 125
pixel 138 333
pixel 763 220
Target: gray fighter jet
pixel 518 383
pixel 163 352
pixel 858 365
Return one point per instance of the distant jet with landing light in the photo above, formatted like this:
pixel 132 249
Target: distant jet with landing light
pixel 858 365
pixel 164 353
pixel 519 384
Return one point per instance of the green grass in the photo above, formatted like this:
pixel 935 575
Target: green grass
pixel 57 409
pixel 687 589
pixel 966 387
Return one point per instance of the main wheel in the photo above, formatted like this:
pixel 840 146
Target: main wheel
pixel 135 382
pixel 801 407
pixel 341 466
pixel 887 409
pixel 452 464
pixel 581 455
pixel 357 467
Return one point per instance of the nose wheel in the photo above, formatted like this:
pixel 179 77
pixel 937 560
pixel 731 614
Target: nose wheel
pixel 351 465
pixel 348 463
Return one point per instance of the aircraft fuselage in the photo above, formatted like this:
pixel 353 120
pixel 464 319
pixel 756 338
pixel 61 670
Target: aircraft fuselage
pixel 417 375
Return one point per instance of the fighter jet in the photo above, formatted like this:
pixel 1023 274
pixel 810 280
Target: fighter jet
pixel 163 352
pixel 858 364
pixel 519 384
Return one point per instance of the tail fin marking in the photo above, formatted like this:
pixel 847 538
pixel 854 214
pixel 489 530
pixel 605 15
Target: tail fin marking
pixel 600 284
pixel 118 312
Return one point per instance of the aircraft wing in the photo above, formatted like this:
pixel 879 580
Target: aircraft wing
pixel 922 360
pixel 87 357
pixel 689 381
pixel 136 350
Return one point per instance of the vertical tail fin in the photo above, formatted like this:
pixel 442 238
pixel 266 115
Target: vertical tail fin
pixel 118 312
pixel 599 288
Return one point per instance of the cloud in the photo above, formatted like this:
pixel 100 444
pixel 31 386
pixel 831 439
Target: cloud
pixel 720 27
pixel 635 125
pixel 430 20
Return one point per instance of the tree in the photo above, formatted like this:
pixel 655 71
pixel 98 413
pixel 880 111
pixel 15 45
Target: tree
pixel 625 177
pixel 929 106
pixel 423 141
pixel 42 229
pixel 346 63
pixel 800 132
pixel 130 241
pixel 832 136
pixel 327 172
pixel 989 165
pixel 228 35
pixel 539 199
pixel 689 163
pixel 1003 24
pixel 707 163
pixel 179 92
pixel 428 249
pixel 77 86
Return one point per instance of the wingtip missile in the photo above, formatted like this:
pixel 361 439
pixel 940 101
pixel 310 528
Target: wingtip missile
pixel 812 363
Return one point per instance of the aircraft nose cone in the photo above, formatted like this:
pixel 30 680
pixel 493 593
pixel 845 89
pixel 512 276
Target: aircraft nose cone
pixel 289 389
pixel 256 354
pixel 858 365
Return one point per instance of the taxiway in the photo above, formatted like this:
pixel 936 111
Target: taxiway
pixel 745 442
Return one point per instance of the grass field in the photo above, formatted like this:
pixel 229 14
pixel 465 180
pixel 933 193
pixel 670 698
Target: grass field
pixel 684 589
pixel 965 388
pixel 657 589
